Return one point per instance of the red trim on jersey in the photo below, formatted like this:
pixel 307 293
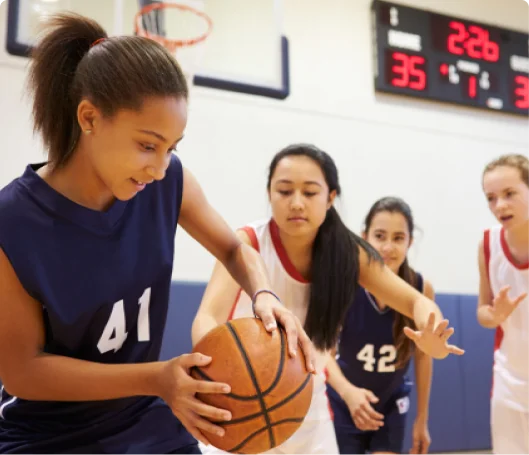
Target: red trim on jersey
pixel 255 244
pixel 253 236
pixel 508 253
pixel 486 250
pixel 234 305
pixel 283 256
pixel 329 407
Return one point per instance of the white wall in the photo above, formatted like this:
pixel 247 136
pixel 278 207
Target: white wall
pixel 429 153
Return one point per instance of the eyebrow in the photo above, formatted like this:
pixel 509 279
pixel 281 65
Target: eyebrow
pixel 159 136
pixel 384 231
pixel 306 182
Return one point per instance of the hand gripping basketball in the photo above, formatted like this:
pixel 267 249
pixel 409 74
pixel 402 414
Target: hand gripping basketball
pixel 179 389
pixel 267 307
pixel 270 391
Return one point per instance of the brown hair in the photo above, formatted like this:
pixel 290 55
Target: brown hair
pixel 76 60
pixel 519 162
pixel 335 257
pixel 403 344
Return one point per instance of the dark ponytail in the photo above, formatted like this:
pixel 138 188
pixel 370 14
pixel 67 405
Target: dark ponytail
pixel 403 344
pixel 117 72
pixel 335 258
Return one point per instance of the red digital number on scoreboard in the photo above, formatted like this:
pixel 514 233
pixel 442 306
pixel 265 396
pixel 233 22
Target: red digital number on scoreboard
pixel 407 71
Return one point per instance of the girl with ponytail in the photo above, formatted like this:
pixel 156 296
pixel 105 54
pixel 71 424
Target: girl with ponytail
pixel 86 256
pixel 316 265
pixel 368 388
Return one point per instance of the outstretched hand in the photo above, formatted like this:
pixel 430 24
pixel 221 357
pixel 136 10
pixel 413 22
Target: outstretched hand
pixel 434 341
pixel 503 306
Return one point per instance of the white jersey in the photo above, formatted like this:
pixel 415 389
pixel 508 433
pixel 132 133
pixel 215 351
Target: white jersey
pixel 511 354
pixel 316 433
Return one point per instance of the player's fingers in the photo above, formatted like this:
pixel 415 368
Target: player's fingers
pixel 412 334
pixel 447 334
pixel 370 422
pixel 455 350
pixel 415 446
pixel 431 321
pixel 519 299
pixel 204 426
pixel 374 415
pixel 267 316
pixel 308 349
pixel 195 359
pixel 371 396
pixel 441 327
pixel 425 445
pixel 210 387
pixel 211 412
pixel 503 291
pixel 288 321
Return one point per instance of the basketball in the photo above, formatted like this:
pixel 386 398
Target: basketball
pixel 270 390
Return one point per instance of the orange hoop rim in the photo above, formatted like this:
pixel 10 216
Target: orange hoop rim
pixel 171 44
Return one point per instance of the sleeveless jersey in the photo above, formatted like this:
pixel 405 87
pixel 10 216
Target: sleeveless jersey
pixel 291 288
pixel 511 355
pixel 366 350
pixel 103 280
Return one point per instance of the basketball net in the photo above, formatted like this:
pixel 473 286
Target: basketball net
pixel 181 27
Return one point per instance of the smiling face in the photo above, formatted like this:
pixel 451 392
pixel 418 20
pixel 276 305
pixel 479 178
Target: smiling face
pixel 299 196
pixel 133 148
pixel 507 195
pixel 389 234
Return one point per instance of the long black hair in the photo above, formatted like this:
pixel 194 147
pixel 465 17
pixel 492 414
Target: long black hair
pixel 403 344
pixel 335 257
pixel 75 60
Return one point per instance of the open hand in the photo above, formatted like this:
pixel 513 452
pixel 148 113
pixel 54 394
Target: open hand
pixel 434 341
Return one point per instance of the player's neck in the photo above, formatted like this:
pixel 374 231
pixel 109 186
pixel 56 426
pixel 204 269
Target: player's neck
pixel 78 182
pixel 299 252
pixel 518 242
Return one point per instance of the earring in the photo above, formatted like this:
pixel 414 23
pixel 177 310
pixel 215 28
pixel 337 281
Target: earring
pixel 87 131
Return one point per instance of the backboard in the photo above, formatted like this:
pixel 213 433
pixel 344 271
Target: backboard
pixel 246 52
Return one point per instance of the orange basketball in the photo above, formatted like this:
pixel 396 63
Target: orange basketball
pixel 270 390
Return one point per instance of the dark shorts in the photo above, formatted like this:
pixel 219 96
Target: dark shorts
pixel 389 438
pixel 193 448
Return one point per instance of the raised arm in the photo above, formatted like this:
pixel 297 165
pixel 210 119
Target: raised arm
pixel 432 334
pixel 493 310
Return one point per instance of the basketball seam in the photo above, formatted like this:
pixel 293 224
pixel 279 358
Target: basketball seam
pixel 267 391
pixel 255 383
pixel 255 433
pixel 272 408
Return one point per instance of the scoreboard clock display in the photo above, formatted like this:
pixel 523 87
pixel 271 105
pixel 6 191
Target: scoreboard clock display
pixel 431 56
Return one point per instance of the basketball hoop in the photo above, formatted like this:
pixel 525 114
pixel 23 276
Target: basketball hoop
pixel 185 50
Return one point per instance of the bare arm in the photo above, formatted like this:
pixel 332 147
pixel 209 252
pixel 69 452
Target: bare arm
pixel 218 298
pixel 484 313
pixel 209 229
pixel 423 371
pixel 243 263
pixel 396 293
pixel 335 377
pixel 23 365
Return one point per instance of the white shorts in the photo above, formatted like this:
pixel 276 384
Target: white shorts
pixel 315 435
pixel 509 421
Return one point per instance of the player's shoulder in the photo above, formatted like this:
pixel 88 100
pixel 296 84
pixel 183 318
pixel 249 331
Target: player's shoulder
pixel 252 233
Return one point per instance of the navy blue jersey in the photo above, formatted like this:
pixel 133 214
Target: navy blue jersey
pixel 366 351
pixel 103 280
